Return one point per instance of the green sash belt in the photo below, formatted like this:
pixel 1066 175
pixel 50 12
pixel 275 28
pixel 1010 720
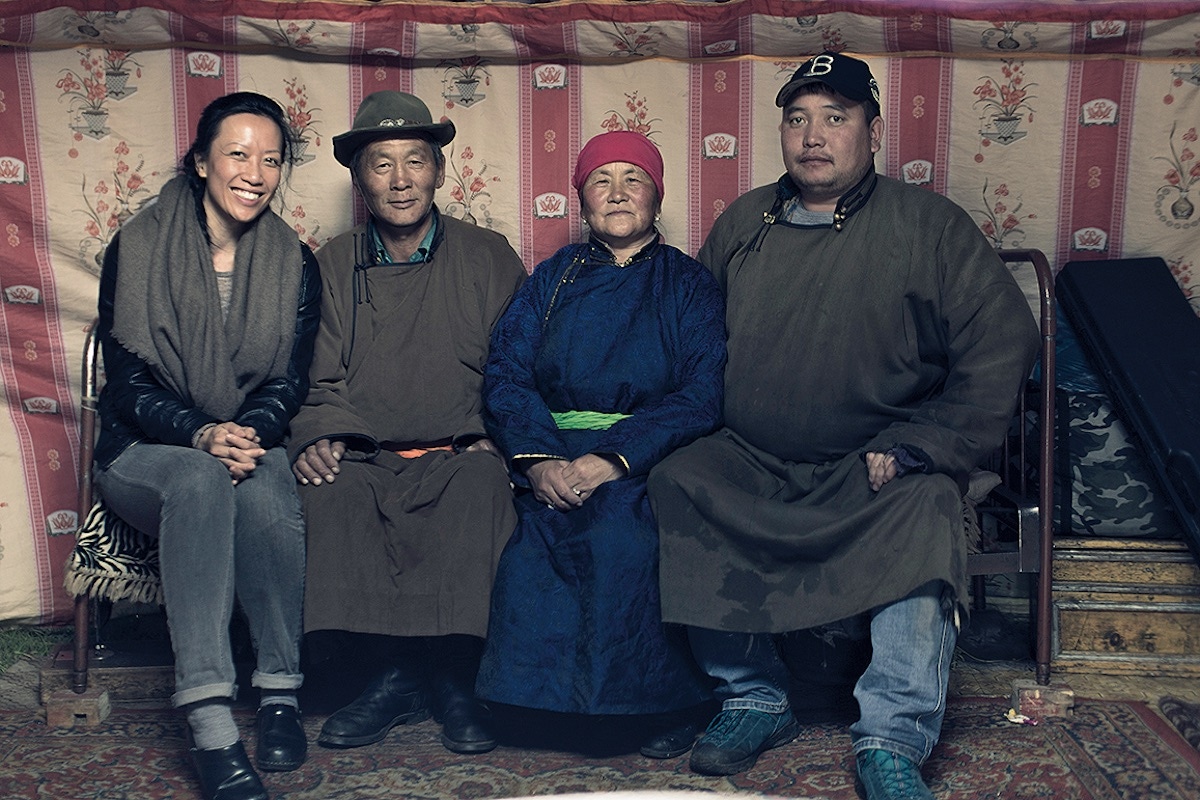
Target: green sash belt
pixel 585 420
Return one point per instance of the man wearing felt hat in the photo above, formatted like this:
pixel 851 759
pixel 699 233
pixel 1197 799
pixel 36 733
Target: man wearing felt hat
pixel 876 348
pixel 407 501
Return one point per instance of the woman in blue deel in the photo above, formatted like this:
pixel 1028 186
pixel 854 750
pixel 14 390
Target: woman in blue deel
pixel 610 357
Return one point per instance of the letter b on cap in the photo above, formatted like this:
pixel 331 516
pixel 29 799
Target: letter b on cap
pixel 821 65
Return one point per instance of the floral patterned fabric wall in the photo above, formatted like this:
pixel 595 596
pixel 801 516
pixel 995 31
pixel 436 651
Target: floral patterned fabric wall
pixel 1070 127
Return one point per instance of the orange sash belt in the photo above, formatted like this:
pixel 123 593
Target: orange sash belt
pixel 417 452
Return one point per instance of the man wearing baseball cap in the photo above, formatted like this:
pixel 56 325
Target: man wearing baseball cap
pixel 407 501
pixel 876 348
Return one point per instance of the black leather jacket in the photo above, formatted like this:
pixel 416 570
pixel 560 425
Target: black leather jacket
pixel 135 407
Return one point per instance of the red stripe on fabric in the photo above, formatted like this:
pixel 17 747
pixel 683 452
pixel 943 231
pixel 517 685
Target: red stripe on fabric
pixel 916 33
pixel 453 13
pixel 746 92
pixel 719 143
pixel 550 140
pixel 200 75
pixel 35 369
pixel 718 127
pixel 392 43
pixel 1097 130
pixel 918 98
pixel 918 121
pixel 540 40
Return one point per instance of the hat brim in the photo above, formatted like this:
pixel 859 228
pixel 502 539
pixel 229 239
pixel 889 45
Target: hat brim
pixel 791 87
pixel 345 145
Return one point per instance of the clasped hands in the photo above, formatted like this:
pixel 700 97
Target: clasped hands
pixel 235 446
pixel 318 463
pixel 565 485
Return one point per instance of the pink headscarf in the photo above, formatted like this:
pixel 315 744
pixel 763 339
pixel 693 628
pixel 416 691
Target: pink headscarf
pixel 628 146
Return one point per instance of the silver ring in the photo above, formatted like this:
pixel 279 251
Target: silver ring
pixel 577 492
pixel 549 505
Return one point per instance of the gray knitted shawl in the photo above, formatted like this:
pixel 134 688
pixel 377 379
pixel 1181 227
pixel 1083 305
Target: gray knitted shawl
pixel 167 310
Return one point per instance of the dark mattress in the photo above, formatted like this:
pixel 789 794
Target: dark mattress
pixel 1143 338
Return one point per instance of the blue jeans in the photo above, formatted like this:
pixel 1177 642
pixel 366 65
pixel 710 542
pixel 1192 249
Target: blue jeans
pixel 217 540
pixel 747 666
pixel 902 694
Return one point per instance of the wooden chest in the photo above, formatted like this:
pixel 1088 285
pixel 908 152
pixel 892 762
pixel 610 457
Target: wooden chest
pixel 1126 607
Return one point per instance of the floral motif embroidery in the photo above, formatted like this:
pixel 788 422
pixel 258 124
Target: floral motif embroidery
pixel 1001 224
pixel 1005 36
pixel 831 37
pixel 461 80
pixel 1183 272
pixel 95 25
pixel 297 35
pixel 1183 173
pixel 117 66
pixel 464 33
pixel 110 203
pixel 631 40
pixel 88 94
pixel 470 198
pixel 301 124
pixel 1183 73
pixel 638 118
pixel 309 237
pixel 1004 102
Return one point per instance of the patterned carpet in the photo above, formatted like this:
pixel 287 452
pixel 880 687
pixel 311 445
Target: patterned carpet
pixel 1108 751
pixel 1184 716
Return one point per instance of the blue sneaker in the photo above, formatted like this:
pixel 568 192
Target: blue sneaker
pixel 884 775
pixel 736 738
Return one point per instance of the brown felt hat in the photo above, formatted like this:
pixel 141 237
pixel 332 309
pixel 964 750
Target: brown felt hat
pixel 390 115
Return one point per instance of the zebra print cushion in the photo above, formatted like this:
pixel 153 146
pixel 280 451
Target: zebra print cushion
pixel 113 561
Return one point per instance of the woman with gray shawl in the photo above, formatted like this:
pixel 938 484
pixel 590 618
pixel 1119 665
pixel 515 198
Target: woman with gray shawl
pixel 208 309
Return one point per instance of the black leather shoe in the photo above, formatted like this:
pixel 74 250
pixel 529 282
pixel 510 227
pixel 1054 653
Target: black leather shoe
pixel 281 743
pixel 389 700
pixel 226 774
pixel 671 742
pixel 466 723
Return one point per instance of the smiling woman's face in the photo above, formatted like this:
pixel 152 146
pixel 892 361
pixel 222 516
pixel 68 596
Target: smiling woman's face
pixel 241 172
pixel 619 203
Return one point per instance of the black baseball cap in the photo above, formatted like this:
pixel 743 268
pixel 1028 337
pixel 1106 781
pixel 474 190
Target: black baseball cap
pixel 847 76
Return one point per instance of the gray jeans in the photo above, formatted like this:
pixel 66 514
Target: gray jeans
pixel 216 539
